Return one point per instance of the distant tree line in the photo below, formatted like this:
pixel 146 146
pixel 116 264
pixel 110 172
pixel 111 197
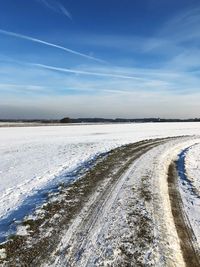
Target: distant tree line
pixel 118 120
pixel 100 120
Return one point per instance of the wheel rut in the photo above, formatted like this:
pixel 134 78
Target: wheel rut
pixel 75 217
pixel 102 205
pixel 185 233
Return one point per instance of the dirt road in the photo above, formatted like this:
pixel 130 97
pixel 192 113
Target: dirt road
pixel 187 238
pixel 117 214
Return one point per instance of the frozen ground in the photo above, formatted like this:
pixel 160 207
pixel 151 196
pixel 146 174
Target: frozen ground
pixel 190 187
pixel 32 157
pixel 192 161
pixel 123 211
pixel 134 226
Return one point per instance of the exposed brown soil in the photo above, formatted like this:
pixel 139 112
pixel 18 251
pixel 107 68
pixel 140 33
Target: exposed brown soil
pixel 45 232
pixel 185 233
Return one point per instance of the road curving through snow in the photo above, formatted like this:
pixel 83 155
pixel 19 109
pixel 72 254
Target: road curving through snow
pixel 118 214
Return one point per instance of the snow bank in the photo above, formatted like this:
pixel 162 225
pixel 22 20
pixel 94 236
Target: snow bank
pixel 192 199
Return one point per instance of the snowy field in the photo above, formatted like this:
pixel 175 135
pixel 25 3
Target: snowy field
pixel 32 157
pixel 190 188
pixel 134 192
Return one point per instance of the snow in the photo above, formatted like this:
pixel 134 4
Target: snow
pixel 192 200
pixel 117 223
pixel 192 162
pixel 2 253
pixel 31 157
pixel 22 230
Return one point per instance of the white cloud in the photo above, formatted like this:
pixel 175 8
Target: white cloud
pixel 183 26
pixel 29 38
pixel 90 73
pixel 167 90
pixel 56 6
pixel 23 88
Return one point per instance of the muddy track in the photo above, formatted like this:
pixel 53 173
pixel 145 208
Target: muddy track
pixel 109 194
pixel 68 228
pixel 45 233
pixel 185 233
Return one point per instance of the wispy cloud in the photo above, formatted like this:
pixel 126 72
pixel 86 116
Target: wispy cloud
pixel 65 11
pixel 82 72
pixel 179 35
pixel 58 94
pixel 23 88
pixel 29 38
pixel 183 27
pixel 56 6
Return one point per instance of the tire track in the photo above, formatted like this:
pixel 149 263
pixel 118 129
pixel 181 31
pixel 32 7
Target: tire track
pixel 184 230
pixel 102 205
pixel 83 208
pixel 45 233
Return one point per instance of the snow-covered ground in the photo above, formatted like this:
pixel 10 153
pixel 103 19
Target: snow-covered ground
pixel 193 166
pixel 191 189
pixel 135 218
pixel 31 157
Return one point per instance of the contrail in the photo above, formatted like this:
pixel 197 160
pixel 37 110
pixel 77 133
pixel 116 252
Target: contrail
pixel 74 71
pixel 65 11
pixel 25 37
pixel 57 7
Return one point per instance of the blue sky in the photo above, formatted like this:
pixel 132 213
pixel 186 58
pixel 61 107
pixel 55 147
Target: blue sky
pixel 99 58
